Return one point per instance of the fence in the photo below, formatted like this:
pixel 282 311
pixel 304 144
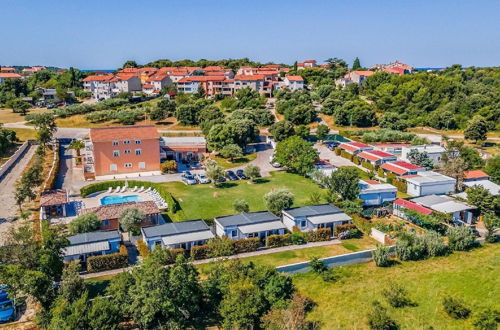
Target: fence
pixel 336 261
pixel 4 169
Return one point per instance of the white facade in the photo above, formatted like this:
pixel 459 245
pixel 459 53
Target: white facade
pixel 430 183
pixel 435 152
pixel 294 85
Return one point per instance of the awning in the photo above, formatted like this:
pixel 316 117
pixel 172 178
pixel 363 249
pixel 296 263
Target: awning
pixel 74 250
pixel 189 237
pixel 264 226
pixel 329 218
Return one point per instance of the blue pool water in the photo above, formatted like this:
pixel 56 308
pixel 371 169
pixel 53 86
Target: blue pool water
pixel 115 199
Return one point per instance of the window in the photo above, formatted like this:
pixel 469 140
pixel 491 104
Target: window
pixel 116 153
pixel 234 233
pixel 113 167
pixel 115 143
pixel 105 223
pixel 138 152
pixel 128 165
pixel 142 165
pixel 137 141
pixel 126 142
pixel 127 151
pixel 303 223
pixel 157 243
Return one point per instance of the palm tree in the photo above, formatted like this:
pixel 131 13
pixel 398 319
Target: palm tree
pixel 77 145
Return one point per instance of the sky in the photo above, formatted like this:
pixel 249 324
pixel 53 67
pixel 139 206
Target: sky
pixel 103 34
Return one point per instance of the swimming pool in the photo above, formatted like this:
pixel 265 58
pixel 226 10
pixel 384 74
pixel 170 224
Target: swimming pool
pixel 116 199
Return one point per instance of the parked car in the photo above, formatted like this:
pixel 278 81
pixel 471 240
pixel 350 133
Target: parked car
pixel 231 176
pixel 202 178
pixel 188 178
pixel 241 174
pixel 273 162
pixel 332 145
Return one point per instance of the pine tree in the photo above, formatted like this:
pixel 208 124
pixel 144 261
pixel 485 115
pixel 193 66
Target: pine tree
pixel 356 65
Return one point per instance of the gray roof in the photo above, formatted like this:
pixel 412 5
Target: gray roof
pixel 246 218
pixel 430 200
pixel 175 228
pixel 313 210
pixel 95 236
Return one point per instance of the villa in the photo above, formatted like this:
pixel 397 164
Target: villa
pixel 429 183
pixel 314 217
pixel 376 157
pixel 53 203
pixel 460 212
pixel 374 193
pixel 177 235
pixel 90 244
pixel 400 168
pixel 435 152
pixel 182 147
pixel 249 225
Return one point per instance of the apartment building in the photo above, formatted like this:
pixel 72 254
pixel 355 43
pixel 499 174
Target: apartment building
pixel 121 150
pixel 307 64
pixel 107 86
pixel 294 82
pixel 255 82
pixel 212 85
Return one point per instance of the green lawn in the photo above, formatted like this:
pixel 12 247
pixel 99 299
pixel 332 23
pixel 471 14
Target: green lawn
pixel 236 162
pixel 472 276
pixel 207 202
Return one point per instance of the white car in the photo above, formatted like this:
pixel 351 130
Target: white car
pixel 202 178
pixel 273 162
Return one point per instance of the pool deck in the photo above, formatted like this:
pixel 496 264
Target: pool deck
pixel 95 199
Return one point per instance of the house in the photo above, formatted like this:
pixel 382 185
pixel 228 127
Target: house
pixel 307 64
pixel 400 168
pixel 475 175
pixel 400 205
pixel 91 244
pixel 149 89
pixel 376 157
pixel 212 85
pixel 175 235
pixel 255 82
pixel 307 218
pixel 159 81
pixel 294 82
pixel 325 167
pixel 435 152
pixel 359 77
pixel 492 187
pixel 53 203
pixel 182 148
pixel 249 225
pixel 460 212
pixel 394 65
pixel 429 183
pixel 9 75
pixel 110 214
pixel 374 193
pixel 392 148
pixel 122 150
pixel 7 69
pixel 32 70
pixel 355 148
pixel 90 83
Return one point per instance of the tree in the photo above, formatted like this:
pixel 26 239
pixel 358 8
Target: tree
pixel 345 182
pixel 84 223
pixel 421 159
pixel 77 145
pixel 131 218
pixel 491 223
pixel 352 206
pixel 293 317
pixel 481 198
pixel 72 285
pixel 322 131
pixel 381 256
pixel 18 106
pixel 278 200
pixel 187 114
pixel 130 64
pixel 241 206
pixel 296 154
pixel 231 151
pixel 282 130
pixel 163 109
pixel 460 238
pixel 46 126
pixel 104 314
pixel 476 129
pixel 356 65
pixel 301 114
pixel 455 167
pixel 302 131
pixel 355 113
pixel 378 319
pixel 493 168
pixel 252 171
pixel 215 172
pixel 241 306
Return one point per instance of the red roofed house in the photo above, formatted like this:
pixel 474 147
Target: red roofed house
pixel 8 75
pixel 108 86
pixel 377 157
pixel 359 77
pixel 112 151
pixel 401 168
pixel 7 69
pixel 306 64
pixel 475 175
pixel 156 83
pixel 400 205
pixel 255 82
pixel 355 148
pixel 294 82
pixel 212 85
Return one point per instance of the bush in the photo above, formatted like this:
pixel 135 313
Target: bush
pixel 317 266
pixel 397 296
pixel 107 262
pixel 381 172
pixel 246 245
pixel 381 256
pixel 220 247
pixel 342 228
pixel 410 247
pixel 173 255
pixel 378 319
pixel 346 155
pixel 455 308
pixel 298 237
pixel 319 235
pixel 199 252
pixel 338 151
pixel 142 247
pixel 84 223
pixel 461 238
pixel 169 166
pixel 355 160
pixel 400 185
pixel 273 241
pixel 367 165
pixel 434 244
pixel 487 320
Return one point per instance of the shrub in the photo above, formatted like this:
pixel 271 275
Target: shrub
pixel 397 296
pixel 273 241
pixel 367 165
pixel 319 235
pixel 173 255
pixel 381 256
pixel 381 172
pixel 107 262
pixel 487 320
pixel 346 155
pixel 298 237
pixel 400 185
pixel 410 247
pixel 317 265
pixel 378 319
pixel 355 159
pixel 460 238
pixel 246 245
pixel 142 247
pixel 362 224
pixel 338 151
pixel 455 308
pixel 342 228
pixel 434 244
pixel 199 252
pixel 220 247
pixel 169 166
pixel 84 223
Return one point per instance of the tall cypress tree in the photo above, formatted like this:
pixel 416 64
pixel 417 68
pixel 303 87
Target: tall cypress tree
pixel 356 65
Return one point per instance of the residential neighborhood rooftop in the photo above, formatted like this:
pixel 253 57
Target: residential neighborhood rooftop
pixel 428 177
pixel 175 228
pixel 95 236
pixel 53 197
pixel 246 218
pixel 475 174
pixel 313 210
pixel 105 134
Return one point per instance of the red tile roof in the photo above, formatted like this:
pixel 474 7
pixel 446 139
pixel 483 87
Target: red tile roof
pixel 310 61
pixel 148 86
pixel 7 68
pixel 399 168
pixel 106 134
pixel 9 75
pixel 412 206
pixel 53 197
pixel 372 181
pixel 254 77
pixel 295 78
pixel 98 77
pixel 475 174
pixel 407 165
pixel 375 155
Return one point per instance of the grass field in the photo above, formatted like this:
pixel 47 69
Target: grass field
pixel 7 116
pixel 207 202
pixel 472 276
pixel 236 162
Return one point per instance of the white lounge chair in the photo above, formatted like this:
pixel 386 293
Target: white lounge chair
pixel 141 189
pixel 117 189
pixel 134 189
pixel 110 189
pixel 148 190
pixel 123 189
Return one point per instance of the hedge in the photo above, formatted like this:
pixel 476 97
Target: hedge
pixel 273 241
pixel 338 151
pixel 346 155
pixel 199 252
pixel 107 262
pixel 400 185
pixel 381 172
pixel 341 228
pixel 173 255
pixel 246 245
pixel 320 235
pixel 355 159
pixel 367 165
pixel 142 247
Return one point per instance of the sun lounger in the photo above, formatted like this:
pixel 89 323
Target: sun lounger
pixel 117 189
pixel 134 189
pixel 141 189
pixel 110 189
pixel 123 189
pixel 148 190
